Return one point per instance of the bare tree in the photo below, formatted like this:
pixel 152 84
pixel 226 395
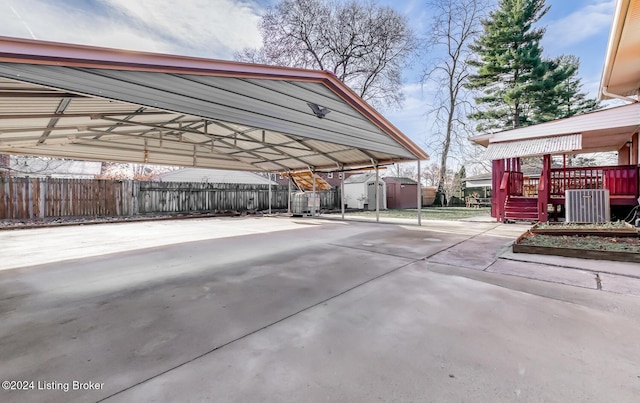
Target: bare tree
pixel 36 165
pixel 431 174
pixel 454 26
pixel 403 170
pixel 125 171
pixel 451 185
pixel 365 45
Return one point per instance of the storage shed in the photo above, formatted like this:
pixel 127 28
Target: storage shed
pixel 401 192
pixel 360 192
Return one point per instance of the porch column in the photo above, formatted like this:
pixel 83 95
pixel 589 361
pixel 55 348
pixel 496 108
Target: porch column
pixel 497 169
pixel 544 189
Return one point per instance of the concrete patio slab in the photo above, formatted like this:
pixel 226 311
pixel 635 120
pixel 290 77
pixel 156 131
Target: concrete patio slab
pixel 308 310
pixel 554 274
pixel 620 284
pixel 600 266
pixel 414 336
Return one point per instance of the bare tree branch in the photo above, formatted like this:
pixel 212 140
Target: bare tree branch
pixel 365 45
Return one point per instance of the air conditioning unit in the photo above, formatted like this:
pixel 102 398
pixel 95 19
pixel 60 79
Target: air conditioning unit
pixel 587 205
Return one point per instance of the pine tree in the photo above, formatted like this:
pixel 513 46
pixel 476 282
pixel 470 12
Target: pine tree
pixel 510 68
pixel 567 98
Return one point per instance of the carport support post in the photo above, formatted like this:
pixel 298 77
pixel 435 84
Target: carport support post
pixel 289 196
pixel 313 209
pixel 269 193
pixel 377 194
pixel 342 194
pixel 419 197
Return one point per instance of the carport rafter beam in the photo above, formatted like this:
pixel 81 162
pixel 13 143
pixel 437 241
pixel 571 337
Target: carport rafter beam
pixel 56 128
pixel 260 158
pixel 126 119
pixel 161 150
pixel 73 115
pixel 64 103
pixel 194 130
pixel 307 147
pixel 280 152
pixel 203 148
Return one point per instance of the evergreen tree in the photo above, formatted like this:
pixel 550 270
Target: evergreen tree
pixel 510 68
pixel 565 99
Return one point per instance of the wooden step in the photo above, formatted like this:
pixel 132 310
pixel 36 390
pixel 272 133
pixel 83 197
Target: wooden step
pixel 521 209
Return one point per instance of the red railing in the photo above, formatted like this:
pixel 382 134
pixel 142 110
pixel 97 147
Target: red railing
pixel 515 183
pixel 620 180
pixel 503 195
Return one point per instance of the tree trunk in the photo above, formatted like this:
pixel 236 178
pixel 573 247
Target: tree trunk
pixel 447 144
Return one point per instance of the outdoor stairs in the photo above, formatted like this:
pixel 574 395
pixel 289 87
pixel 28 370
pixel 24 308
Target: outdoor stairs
pixel 521 209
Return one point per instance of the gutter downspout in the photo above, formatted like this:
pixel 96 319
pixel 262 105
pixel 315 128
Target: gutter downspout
pixel 605 92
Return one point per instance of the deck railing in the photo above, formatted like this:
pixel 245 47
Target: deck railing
pixel 515 183
pixel 621 180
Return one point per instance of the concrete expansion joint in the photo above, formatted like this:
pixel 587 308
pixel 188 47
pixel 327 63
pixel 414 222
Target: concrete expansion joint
pixel 598 282
pixel 562 266
pixel 378 252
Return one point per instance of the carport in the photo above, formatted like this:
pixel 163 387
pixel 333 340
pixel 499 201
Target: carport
pixel 100 104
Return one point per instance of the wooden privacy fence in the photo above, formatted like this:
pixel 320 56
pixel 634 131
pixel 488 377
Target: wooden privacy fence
pixel 22 198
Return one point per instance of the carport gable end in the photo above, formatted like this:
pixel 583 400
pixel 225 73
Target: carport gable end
pixel 104 104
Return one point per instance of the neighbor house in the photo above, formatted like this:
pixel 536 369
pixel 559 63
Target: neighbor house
pixel 614 129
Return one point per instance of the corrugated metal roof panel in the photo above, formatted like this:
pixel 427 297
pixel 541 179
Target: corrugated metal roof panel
pixel 533 147
pixel 237 117
pixel 125 86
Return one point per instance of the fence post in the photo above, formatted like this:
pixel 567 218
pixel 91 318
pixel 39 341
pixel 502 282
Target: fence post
pixel 135 191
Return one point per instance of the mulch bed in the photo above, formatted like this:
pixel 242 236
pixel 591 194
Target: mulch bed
pixel 620 248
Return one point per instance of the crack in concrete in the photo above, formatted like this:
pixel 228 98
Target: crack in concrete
pixel 598 282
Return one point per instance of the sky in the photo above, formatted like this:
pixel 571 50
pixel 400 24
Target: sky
pixel 218 28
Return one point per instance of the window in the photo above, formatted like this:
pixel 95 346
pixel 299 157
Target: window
pixel 281 177
pixel 341 175
pixel 330 175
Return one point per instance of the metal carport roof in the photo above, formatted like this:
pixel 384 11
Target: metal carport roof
pixel 103 104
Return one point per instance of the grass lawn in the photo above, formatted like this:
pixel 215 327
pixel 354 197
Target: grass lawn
pixel 428 213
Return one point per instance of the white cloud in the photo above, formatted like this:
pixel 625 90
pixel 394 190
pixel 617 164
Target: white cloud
pixel 580 25
pixel 208 28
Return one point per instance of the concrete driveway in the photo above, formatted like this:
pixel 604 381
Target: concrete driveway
pixel 275 309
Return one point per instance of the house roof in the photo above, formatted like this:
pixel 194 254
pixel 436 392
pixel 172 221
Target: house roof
pixel 105 104
pixel 602 130
pixel 621 72
pixel 360 178
pixel 401 180
pixel 214 176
